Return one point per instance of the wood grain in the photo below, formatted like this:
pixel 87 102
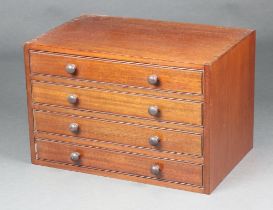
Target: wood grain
pixel 29 101
pixel 152 152
pixel 119 103
pixel 146 41
pixel 120 175
pixel 118 87
pixel 111 71
pixel 206 98
pixel 130 134
pixel 229 105
pixel 184 128
pixel 119 161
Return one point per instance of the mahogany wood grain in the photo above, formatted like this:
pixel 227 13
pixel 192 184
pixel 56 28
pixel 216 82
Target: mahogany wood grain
pixel 120 118
pixel 153 152
pixel 187 81
pixel 117 87
pixel 113 131
pixel 229 109
pixel 124 176
pixel 206 97
pixel 147 41
pixel 119 161
pixel 29 101
pixel 120 103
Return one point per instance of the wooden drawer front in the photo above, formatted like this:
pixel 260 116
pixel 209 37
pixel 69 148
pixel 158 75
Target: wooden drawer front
pixel 120 162
pixel 123 133
pixel 117 72
pixel 119 103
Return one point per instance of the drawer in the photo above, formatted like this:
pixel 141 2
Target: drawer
pixel 114 102
pixel 118 132
pixel 119 162
pixel 103 70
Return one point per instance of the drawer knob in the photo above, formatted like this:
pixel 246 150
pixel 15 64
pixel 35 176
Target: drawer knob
pixel 72 99
pixel 153 110
pixel 74 127
pixel 74 156
pixel 154 140
pixel 155 169
pixel 70 68
pixel 153 79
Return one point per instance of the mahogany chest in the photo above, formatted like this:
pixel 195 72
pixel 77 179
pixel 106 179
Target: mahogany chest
pixel 163 103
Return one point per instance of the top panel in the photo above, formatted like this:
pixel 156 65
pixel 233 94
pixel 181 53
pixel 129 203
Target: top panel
pixel 148 41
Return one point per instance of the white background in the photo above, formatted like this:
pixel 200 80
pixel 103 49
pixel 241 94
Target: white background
pixel 26 186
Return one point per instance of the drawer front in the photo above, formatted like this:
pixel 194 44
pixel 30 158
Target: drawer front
pixel 118 132
pixel 117 72
pixel 118 102
pixel 119 161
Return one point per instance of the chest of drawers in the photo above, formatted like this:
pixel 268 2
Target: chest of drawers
pixel 163 103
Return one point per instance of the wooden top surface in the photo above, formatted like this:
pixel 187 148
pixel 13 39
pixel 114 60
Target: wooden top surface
pixel 149 41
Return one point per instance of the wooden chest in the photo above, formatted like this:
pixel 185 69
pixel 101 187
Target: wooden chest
pixel 163 103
